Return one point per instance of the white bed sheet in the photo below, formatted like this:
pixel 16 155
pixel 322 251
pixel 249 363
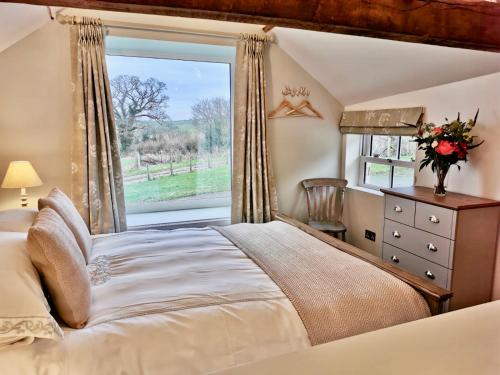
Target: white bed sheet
pixel 179 302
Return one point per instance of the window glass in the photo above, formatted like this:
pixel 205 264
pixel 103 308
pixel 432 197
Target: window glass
pixel 385 146
pixel 377 174
pixel 174 125
pixel 408 149
pixel 403 177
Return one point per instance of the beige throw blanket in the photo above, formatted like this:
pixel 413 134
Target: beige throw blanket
pixel 335 294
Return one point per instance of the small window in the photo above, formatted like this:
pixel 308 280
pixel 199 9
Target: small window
pixel 387 161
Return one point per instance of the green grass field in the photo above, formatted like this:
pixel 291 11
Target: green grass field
pixel 178 186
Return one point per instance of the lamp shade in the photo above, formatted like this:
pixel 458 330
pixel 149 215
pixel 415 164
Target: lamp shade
pixel 21 174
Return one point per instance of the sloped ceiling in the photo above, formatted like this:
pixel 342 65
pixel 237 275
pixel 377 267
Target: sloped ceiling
pixel 353 69
pixel 19 20
pixel 356 69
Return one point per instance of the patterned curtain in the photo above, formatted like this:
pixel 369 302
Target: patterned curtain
pixel 97 184
pixel 253 189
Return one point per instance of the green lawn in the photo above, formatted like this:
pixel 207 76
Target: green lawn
pixel 179 186
pixel 129 170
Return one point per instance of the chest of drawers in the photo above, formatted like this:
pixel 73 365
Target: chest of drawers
pixel 449 240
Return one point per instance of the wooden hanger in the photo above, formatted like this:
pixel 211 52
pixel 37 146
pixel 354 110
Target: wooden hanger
pixel 304 104
pixel 285 104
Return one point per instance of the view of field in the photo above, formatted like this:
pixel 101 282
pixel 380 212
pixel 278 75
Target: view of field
pixel 174 134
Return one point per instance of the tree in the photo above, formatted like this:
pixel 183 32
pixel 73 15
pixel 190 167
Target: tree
pixel 171 143
pixel 191 148
pixel 213 115
pixel 135 100
pixel 147 151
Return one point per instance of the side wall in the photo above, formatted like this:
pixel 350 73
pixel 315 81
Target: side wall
pixel 36 119
pixel 36 110
pixel 480 176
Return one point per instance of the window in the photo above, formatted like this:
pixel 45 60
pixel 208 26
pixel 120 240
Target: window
pixel 387 161
pixel 173 109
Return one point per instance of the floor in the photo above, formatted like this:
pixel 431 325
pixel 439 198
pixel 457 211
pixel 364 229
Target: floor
pixel 179 217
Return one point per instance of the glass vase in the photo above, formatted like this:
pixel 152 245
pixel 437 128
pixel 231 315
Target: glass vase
pixel 440 180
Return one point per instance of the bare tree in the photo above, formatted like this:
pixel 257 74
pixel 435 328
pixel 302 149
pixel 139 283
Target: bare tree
pixel 214 116
pixel 147 153
pixel 172 144
pixel 191 148
pixel 134 100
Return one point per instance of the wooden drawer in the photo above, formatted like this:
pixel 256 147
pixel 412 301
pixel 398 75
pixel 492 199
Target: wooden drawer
pixel 434 219
pixel 437 274
pixel 426 245
pixel 400 210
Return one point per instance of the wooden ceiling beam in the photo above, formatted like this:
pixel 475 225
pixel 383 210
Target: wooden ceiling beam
pixel 468 24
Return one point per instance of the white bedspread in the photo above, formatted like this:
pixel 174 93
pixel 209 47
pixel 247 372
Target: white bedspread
pixel 178 302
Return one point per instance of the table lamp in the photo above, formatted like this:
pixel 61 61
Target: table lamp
pixel 21 175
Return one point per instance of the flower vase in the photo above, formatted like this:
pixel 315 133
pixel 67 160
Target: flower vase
pixel 440 180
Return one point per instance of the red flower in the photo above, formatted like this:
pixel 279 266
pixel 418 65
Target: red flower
pixel 461 150
pixel 437 131
pixel 445 147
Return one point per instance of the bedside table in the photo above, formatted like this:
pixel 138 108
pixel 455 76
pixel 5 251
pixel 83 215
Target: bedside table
pixel 449 240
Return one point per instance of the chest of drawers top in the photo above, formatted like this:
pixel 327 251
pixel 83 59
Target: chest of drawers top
pixel 452 201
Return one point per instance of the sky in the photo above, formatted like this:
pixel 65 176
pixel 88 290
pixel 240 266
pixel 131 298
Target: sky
pixel 187 81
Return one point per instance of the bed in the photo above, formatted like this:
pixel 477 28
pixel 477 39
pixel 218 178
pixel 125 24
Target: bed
pixel 193 301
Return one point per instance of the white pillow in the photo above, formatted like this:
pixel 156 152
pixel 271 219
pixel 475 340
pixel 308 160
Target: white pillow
pixel 24 311
pixel 17 220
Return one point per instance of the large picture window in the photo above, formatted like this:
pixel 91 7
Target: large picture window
pixel 173 117
pixel 387 161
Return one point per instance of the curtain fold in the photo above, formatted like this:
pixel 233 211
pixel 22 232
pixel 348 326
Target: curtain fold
pixel 394 121
pixel 97 182
pixel 253 189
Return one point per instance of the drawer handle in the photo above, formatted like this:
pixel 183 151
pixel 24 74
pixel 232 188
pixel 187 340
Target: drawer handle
pixel 396 234
pixel 433 219
pixel 395 259
pixel 398 209
pixel 430 275
pixel 431 247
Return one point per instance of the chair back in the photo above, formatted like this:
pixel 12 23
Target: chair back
pixel 325 198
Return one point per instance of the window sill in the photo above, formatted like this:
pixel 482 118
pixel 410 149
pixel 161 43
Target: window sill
pixel 199 217
pixel 366 190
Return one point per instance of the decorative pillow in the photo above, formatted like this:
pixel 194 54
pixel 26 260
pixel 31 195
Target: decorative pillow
pixel 60 203
pixel 58 259
pixel 17 220
pixel 24 311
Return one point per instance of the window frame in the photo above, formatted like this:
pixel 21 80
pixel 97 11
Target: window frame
pixel 365 157
pixel 166 206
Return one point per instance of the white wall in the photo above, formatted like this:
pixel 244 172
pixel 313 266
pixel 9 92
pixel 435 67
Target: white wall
pixel 36 110
pixel 300 147
pixel 479 177
pixel 36 117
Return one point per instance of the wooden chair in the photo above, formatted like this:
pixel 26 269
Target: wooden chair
pixel 325 200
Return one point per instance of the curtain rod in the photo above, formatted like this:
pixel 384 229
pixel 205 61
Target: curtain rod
pixel 64 19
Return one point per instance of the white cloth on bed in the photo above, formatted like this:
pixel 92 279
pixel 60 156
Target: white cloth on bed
pixel 178 302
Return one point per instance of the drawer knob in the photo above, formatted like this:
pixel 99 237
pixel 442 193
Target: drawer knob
pixel 433 219
pixel 430 275
pixel 431 247
pixel 396 234
pixel 395 259
pixel 398 209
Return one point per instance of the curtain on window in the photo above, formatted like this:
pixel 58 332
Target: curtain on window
pixel 396 121
pixel 253 189
pixel 97 185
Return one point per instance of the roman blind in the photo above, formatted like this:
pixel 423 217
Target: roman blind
pixel 394 121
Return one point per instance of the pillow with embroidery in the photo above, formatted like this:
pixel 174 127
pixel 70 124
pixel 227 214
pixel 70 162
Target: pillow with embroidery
pixel 24 311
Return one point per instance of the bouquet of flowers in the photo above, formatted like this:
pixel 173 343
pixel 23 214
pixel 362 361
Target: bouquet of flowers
pixel 444 146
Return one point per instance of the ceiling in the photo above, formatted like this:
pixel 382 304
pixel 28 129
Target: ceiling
pixel 19 20
pixel 353 69
pixel 356 69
